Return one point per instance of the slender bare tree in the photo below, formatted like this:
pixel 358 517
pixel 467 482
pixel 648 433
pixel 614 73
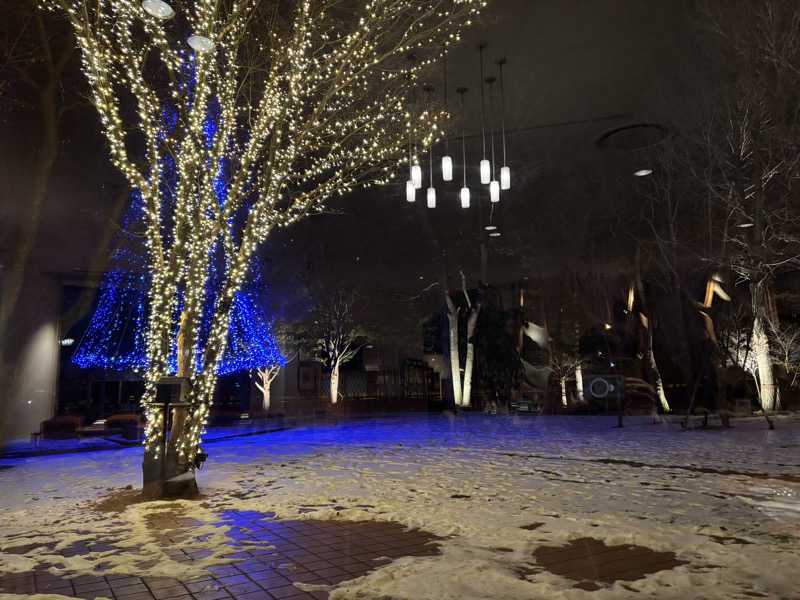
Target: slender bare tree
pixel 752 163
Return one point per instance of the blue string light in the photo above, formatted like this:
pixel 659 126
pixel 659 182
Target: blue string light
pixel 115 339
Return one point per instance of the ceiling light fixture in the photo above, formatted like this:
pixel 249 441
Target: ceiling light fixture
pixel 411 191
pixel 158 9
pixel 431 189
pixel 464 190
pixel 490 227
pixel 746 225
pixel 495 234
pixel 447 160
pixel 505 170
pixel 486 168
pixel 494 185
pixel 643 172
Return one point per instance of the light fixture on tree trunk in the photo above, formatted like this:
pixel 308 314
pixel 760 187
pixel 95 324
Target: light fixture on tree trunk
pixel 200 43
pixel 158 9
pixel 486 168
pixel 464 190
pixel 494 185
pixel 505 171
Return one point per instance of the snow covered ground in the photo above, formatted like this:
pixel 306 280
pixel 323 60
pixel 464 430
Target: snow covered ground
pixel 725 501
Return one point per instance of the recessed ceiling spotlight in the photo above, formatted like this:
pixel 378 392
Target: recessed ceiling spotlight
pixel 158 9
pixel 643 172
pixel 490 227
pixel 200 43
pixel 746 225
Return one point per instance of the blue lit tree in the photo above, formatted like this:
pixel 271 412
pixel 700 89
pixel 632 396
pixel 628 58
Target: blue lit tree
pixel 116 338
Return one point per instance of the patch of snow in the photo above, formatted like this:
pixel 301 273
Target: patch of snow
pixel 476 481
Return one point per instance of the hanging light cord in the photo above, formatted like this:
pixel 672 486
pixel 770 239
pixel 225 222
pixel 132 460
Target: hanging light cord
pixel 428 92
pixel 501 62
pixel 430 161
pixel 462 91
pixel 491 126
pixel 444 67
pixel 483 107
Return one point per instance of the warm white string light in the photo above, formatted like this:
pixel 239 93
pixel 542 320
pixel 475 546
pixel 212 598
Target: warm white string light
pixel 328 114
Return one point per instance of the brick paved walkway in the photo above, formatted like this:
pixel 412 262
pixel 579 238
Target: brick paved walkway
pixel 318 553
pixel 311 552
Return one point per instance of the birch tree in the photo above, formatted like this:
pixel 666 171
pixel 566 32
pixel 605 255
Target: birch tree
pixel 308 99
pixel 462 388
pixel 332 334
pixel 753 163
pixel 264 376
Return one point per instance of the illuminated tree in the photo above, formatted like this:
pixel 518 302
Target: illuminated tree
pixel 311 102
pixel 266 374
pixel 751 165
pixel 331 332
pixel 462 388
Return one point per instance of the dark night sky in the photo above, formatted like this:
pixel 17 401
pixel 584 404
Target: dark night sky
pixel 576 69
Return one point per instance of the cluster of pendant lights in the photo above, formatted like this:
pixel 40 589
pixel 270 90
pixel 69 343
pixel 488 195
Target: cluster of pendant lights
pixel 488 173
pixel 161 10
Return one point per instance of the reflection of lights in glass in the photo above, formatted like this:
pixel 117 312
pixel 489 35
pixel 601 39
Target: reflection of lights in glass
pixel 416 176
pixel 746 225
pixel 464 197
pixel 158 9
pixel 431 197
pixel 490 227
pixel 505 178
pixel 486 171
pixel 411 192
pixel 200 43
pixel 67 342
pixel 643 172
pixel 447 168
pixel 495 234
pixel 494 191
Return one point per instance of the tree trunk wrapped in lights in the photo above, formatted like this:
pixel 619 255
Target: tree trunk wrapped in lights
pixel 309 101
